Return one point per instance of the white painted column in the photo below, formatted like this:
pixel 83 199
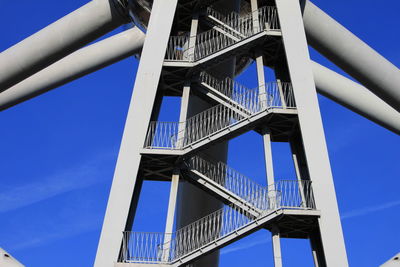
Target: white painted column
pixel 173 195
pixel 259 59
pixel 143 97
pixel 268 157
pixel 277 246
pixel 299 178
pixel 193 36
pixel 312 131
pixel 169 225
pixel 266 136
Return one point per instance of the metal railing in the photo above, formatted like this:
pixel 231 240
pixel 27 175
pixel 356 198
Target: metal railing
pixel 244 103
pixel 178 135
pixel 276 95
pixel 151 248
pixel 164 248
pixel 232 30
pixel 142 247
pixel 292 193
pixel 243 26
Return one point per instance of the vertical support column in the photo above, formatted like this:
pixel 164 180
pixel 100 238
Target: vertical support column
pixel 193 36
pixel 281 93
pixel 301 75
pixel 299 177
pixel 169 225
pixel 268 157
pixel 272 195
pixel 277 246
pixel 173 195
pixel 255 17
pixel 262 94
pixel 143 97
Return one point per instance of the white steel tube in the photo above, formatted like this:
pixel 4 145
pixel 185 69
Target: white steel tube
pixel 57 40
pixel 74 66
pixel 313 137
pixel 355 97
pixel 352 55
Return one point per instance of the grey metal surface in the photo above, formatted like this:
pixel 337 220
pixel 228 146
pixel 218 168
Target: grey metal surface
pixel 355 97
pixel 6 260
pixel 312 131
pixel 74 66
pixel 57 40
pixel 352 55
pixel 393 262
pixel 141 106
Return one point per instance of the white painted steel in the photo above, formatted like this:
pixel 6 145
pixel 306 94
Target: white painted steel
pixel 212 41
pixel 139 114
pixel 57 40
pixel 352 55
pixel 167 135
pixel 293 193
pixel 74 66
pixel 152 247
pixel 355 97
pixel 312 132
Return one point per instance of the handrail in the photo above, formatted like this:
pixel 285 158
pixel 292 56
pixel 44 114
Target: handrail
pixel 178 135
pixel 294 194
pixel 152 248
pixel 213 40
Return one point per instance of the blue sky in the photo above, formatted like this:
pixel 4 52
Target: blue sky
pixel 58 153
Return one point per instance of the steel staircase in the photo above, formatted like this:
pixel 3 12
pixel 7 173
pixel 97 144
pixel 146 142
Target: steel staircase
pixel 251 208
pixel 227 33
pixel 240 109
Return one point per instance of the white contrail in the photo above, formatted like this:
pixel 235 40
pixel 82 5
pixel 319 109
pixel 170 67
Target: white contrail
pixel 245 246
pixel 84 175
pixel 368 210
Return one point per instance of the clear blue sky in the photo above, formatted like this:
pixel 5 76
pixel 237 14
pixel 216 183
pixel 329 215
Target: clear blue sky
pixel 58 153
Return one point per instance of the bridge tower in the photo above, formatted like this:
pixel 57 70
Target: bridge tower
pixel 194 50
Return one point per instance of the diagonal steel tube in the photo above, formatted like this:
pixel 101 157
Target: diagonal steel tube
pixel 330 84
pixel 59 39
pixel 74 66
pixel 355 97
pixel 352 54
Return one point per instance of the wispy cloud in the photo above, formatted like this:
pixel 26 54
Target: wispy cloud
pixel 75 213
pixel 246 245
pixel 370 209
pixel 78 214
pixel 63 181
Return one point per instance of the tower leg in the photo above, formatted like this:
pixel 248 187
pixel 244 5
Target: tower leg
pixel 312 130
pixel 141 106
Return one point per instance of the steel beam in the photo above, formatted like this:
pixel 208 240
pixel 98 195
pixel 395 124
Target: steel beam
pixel 351 54
pixel 59 39
pixel 312 132
pixel 74 66
pixel 355 97
pixel 139 114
